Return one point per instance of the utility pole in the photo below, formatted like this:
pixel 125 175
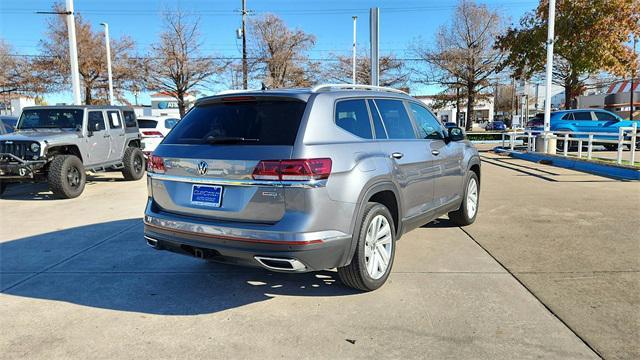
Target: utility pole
pixel 245 71
pixel 73 53
pixel 374 19
pixel 549 73
pixel 353 76
pixel 106 40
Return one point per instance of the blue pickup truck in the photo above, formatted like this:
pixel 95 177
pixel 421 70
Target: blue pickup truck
pixel 585 120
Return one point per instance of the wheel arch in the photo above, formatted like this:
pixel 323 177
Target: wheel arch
pixel 65 149
pixel 385 193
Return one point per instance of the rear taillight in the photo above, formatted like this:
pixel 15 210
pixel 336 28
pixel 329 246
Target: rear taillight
pixel 293 170
pixel 155 164
pixel 152 133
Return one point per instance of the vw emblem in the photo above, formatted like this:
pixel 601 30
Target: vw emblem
pixel 202 167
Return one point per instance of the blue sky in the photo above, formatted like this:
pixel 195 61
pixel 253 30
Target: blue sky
pixel 401 22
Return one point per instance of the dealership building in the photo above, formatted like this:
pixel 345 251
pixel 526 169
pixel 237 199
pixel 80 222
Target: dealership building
pixel 165 104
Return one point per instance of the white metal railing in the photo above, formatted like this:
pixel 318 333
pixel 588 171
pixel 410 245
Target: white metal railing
pixel 627 135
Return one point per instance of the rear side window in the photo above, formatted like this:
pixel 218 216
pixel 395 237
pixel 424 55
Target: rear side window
pixel 352 115
pixel 583 115
pixel 114 119
pixel 129 119
pixel 147 124
pixel 377 122
pixel 569 116
pixel 259 122
pixel 428 125
pixel 395 118
pixel 603 116
pixel 96 121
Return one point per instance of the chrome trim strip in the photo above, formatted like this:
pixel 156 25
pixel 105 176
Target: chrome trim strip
pixel 239 182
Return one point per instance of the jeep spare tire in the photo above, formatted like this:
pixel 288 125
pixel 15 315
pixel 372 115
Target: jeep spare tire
pixel 133 161
pixel 66 176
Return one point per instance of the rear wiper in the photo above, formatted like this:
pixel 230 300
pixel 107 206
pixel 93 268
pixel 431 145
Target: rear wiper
pixel 228 139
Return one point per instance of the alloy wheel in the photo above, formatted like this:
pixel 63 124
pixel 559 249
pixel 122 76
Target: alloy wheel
pixel 378 247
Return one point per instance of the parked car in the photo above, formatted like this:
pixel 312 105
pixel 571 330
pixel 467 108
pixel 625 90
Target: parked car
pixel 8 124
pixel 496 126
pixel 307 179
pixel 153 130
pixel 57 144
pixel 584 120
pixel 450 125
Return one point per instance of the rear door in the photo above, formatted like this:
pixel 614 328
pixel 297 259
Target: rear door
pixel 415 171
pixel 219 144
pixel 98 138
pixel 447 158
pixel 116 130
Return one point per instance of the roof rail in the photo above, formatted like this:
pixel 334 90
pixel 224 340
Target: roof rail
pixel 355 87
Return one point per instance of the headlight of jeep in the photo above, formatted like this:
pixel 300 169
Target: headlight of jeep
pixel 35 147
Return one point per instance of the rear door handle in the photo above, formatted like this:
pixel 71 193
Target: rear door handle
pixel 397 155
pixel 435 152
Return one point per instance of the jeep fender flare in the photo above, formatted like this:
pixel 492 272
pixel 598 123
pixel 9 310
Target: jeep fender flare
pixel 375 187
pixel 74 147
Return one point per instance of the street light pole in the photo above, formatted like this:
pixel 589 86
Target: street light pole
pixel 353 76
pixel 106 40
pixel 73 53
pixel 374 19
pixel 549 74
pixel 633 75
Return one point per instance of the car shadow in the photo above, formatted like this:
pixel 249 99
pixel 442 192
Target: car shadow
pixel 109 266
pixel 442 222
pixel 40 190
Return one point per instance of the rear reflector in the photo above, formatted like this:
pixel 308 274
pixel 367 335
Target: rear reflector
pixel 155 164
pixel 152 133
pixel 293 170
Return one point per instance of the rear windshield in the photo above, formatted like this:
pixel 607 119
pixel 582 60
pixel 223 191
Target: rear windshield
pixel 51 118
pixel 261 122
pixel 147 124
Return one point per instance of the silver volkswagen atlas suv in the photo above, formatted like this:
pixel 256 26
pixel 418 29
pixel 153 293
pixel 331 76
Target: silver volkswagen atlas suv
pixel 298 180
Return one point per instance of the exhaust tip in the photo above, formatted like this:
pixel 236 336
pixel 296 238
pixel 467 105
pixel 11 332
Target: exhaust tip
pixel 280 264
pixel 152 242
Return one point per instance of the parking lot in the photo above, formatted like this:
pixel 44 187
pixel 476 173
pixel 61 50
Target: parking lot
pixel 549 270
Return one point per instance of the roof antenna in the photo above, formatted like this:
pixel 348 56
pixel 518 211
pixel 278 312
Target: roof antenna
pixel 263 87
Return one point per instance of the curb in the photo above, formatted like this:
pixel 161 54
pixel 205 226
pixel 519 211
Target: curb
pixel 610 171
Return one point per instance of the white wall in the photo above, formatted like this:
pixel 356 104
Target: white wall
pixel 19 103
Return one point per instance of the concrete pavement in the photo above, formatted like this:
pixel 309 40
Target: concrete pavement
pixel 77 281
pixel 573 239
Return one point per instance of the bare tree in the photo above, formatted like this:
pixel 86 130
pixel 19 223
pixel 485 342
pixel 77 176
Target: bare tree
pixel 17 73
pixel 176 65
pixel 280 53
pixel 392 70
pixel 463 56
pixel 53 65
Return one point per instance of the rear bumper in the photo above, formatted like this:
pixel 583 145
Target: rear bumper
pixel 245 244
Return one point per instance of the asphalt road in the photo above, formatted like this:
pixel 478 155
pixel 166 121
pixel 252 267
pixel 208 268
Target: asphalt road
pixel 77 281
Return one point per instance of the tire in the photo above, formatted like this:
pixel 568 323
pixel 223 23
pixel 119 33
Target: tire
pixel 611 147
pixel 466 215
pixel 133 161
pixel 357 274
pixel 3 187
pixel 66 176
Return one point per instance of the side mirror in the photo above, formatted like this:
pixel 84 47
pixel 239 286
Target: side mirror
pixel 455 134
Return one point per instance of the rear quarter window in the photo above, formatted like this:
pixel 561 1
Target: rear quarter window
pixel 130 119
pixel 352 116
pixel 268 121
